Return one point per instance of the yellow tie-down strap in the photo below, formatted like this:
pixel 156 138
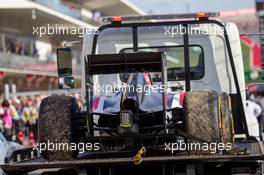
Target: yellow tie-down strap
pixel 220 124
pixel 137 159
pixel 232 120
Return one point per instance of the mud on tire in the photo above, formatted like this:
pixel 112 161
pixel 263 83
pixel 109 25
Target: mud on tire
pixel 56 125
pixel 201 115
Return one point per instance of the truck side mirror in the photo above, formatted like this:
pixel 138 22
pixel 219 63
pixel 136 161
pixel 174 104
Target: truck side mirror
pixel 64 64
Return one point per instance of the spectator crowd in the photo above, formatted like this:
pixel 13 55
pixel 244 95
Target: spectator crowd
pixel 19 119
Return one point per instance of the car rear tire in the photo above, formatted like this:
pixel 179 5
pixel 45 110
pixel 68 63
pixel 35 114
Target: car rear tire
pixel 201 115
pixel 57 125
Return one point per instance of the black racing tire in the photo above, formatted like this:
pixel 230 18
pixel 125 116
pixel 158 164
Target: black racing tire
pixel 201 116
pixel 226 118
pixel 57 124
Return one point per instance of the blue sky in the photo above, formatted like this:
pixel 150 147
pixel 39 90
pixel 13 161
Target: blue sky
pixel 182 6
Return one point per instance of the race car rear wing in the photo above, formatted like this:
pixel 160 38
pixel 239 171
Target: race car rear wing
pixel 125 63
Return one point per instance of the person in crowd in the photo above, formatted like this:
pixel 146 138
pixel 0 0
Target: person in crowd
pixel 35 50
pixel 18 48
pixel 10 45
pixel 255 110
pixel 20 137
pixel 29 116
pixel 259 98
pixel 15 119
pixel 7 119
pixel 1 119
pixel 36 105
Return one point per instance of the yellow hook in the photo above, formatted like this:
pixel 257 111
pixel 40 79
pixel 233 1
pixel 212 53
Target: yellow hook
pixel 137 159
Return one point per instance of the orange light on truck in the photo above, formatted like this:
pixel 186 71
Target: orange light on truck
pixel 201 15
pixel 117 19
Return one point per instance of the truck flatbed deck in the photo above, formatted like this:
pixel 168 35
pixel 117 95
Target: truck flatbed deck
pixel 36 164
pixel 249 152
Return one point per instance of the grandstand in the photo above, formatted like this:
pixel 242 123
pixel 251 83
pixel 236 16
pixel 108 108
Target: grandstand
pixel 27 57
pixel 27 60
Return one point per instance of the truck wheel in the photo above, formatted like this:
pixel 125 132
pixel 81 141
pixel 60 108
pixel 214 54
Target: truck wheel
pixel 201 115
pixel 226 118
pixel 56 126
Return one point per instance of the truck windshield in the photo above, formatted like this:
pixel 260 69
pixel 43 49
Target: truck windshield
pixel 175 61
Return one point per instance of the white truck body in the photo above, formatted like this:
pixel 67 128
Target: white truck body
pixel 218 73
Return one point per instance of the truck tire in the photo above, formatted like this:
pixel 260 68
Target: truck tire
pixel 226 118
pixel 56 125
pixel 201 116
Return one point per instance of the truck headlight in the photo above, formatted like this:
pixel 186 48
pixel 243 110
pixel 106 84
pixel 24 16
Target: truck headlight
pixel 126 118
